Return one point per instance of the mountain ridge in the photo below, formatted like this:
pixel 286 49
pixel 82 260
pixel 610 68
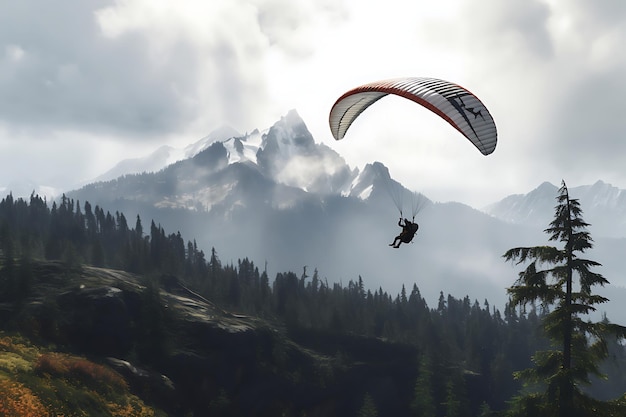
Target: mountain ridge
pixel 604 207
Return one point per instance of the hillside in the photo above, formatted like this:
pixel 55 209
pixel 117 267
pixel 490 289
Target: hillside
pixel 212 358
pixel 190 333
pixel 37 381
pixel 195 355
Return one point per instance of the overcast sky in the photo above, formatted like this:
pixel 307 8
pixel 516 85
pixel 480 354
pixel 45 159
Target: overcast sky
pixel 84 84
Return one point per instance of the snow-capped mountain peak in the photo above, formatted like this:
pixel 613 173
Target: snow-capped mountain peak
pixel 364 181
pixel 166 155
pixel 283 159
pixel 601 194
pixel 220 134
pixel 244 148
pixel 284 155
pixel 289 155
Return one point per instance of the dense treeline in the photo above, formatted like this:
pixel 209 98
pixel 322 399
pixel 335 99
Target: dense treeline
pixel 468 350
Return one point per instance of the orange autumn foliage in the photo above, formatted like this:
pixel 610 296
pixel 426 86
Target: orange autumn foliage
pixel 91 374
pixel 18 401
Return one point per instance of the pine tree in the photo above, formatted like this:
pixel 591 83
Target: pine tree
pixel 456 403
pixel 423 404
pixel 578 346
pixel 368 409
pixel 138 228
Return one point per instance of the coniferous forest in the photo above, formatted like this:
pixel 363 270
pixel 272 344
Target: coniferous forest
pixel 459 357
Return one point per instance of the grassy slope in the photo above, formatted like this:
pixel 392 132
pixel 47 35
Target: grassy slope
pixel 35 381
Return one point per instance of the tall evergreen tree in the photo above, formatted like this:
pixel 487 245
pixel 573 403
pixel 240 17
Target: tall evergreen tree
pixel 578 346
pixel 456 403
pixel 368 409
pixel 423 404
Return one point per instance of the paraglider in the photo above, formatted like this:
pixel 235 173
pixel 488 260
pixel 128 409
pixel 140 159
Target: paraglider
pixel 399 194
pixel 460 108
pixel 409 228
pixel 456 105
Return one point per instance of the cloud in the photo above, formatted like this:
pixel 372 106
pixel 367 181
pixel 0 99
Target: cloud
pixel 583 138
pixel 550 74
pixel 71 77
pixel 147 69
pixel 142 68
pixel 586 133
pixel 290 26
pixel 153 72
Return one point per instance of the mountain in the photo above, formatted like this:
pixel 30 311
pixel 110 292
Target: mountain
pixel 26 187
pixel 283 200
pixel 165 155
pixel 604 207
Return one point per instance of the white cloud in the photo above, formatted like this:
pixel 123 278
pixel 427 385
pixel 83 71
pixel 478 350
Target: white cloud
pixel 14 53
pixel 122 72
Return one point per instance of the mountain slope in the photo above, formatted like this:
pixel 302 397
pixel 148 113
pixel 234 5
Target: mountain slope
pixel 165 155
pixel 205 353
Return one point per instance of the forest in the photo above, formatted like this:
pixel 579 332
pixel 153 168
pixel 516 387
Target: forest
pixel 468 354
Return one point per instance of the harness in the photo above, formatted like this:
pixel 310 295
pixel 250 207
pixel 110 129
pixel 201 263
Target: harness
pixel 408 231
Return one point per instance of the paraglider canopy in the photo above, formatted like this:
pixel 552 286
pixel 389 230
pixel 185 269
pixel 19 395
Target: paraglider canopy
pixel 460 108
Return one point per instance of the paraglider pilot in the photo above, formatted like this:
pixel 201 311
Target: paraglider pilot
pixel 409 229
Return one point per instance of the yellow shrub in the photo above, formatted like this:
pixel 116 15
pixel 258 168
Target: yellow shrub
pixel 13 363
pixel 17 345
pixel 6 344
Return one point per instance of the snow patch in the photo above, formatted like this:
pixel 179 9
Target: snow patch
pixel 241 149
pixel 364 195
